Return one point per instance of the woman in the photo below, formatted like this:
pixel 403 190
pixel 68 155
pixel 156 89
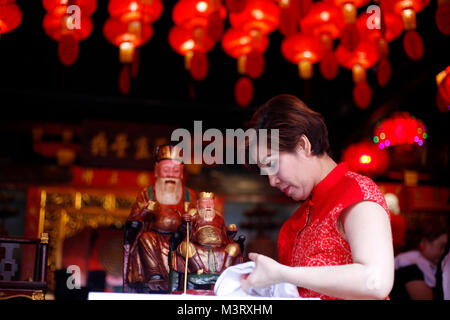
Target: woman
pixel 416 270
pixel 338 244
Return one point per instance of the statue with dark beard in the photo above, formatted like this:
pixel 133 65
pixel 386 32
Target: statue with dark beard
pixel 156 215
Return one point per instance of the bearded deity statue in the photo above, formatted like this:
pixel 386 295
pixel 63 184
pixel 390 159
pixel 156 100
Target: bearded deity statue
pixel 156 215
pixel 210 248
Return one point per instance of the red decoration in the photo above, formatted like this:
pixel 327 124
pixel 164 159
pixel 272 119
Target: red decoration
pixel 254 64
pixel 393 26
pixel 243 91
pixel 191 14
pixel 400 129
pixel 365 55
pixel 383 72
pixel 182 41
pixel 68 50
pixel 329 66
pixel 413 45
pixel 236 42
pixel 288 20
pixel 323 19
pixel 303 7
pixel 443 18
pixel 55 27
pixel 302 50
pixel 216 26
pixel 116 32
pixel 132 10
pixel 10 17
pixel 135 64
pixel 125 80
pixel 199 65
pixel 350 37
pixel 366 158
pixel 260 15
pixel 59 7
pixel 236 6
pixel 362 94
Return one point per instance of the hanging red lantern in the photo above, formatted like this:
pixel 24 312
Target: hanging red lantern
pixel 10 17
pixel 400 129
pixel 366 158
pixel 324 21
pixel 328 65
pixel 249 53
pixel 289 16
pixel 262 16
pixel 443 16
pixel 302 50
pixel 192 14
pixel 365 56
pixel 199 65
pixel 443 92
pixel 132 10
pixel 413 45
pixel 393 26
pixel 362 94
pixel 57 24
pixel 243 91
pixel 383 71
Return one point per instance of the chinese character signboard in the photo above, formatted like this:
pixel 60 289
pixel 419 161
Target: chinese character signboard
pixel 122 145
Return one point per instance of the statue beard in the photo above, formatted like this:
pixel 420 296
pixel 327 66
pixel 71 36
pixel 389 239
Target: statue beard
pixel 168 191
pixel 207 214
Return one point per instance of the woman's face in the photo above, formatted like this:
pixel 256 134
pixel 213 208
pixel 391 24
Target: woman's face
pixel 295 175
pixel 433 250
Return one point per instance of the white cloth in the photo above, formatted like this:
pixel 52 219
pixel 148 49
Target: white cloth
pixel 446 276
pixel 229 284
pixel 428 269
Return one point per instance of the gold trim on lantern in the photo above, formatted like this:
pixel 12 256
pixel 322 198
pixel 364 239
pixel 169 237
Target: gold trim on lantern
pixel 241 61
pixel 187 60
pixel 126 52
pixel 358 73
pixel 409 19
pixel 440 76
pixel 349 12
pixel 305 69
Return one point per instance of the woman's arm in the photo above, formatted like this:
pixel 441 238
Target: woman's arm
pixel 367 229
pixel 418 290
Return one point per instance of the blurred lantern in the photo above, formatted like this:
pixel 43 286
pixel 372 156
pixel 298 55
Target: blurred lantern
pixel 325 22
pixel 260 17
pixel 412 42
pixel 443 92
pixel 443 16
pixel 289 16
pixel 236 5
pixel 363 57
pixel 208 15
pixel 249 54
pixel 350 35
pixel 400 129
pixel 239 44
pixel 10 16
pixel 302 50
pixel 68 23
pixel 189 43
pixel 243 91
pixel 136 10
pixel 198 26
pixel 366 158
pixel 381 30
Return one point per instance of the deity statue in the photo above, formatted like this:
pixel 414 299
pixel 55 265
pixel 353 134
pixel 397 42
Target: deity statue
pixel 210 248
pixel 156 215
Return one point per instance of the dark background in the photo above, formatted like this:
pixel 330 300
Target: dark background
pixel 36 88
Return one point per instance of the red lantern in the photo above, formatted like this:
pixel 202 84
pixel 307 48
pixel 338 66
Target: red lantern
pixel 328 65
pixel 60 6
pixel 191 14
pixel 383 71
pixel 400 129
pixel 199 65
pixel 362 94
pixel 443 16
pixel 413 45
pixel 324 21
pixel 289 16
pixel 56 25
pixel 243 91
pixel 131 10
pixel 10 17
pixel 126 36
pixel 348 8
pixel 366 158
pixel 249 53
pixel 365 56
pixel 260 15
pixel 302 50
pixel 393 26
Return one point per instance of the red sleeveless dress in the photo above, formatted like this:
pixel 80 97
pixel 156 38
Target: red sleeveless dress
pixel 318 242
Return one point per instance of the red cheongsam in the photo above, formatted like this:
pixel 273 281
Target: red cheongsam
pixel 318 242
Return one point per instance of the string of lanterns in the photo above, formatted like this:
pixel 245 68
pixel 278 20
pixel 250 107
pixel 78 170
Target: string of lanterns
pixel 329 33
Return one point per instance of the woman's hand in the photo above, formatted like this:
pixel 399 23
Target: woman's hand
pixel 267 272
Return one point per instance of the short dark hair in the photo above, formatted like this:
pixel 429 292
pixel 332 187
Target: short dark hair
pixel 292 118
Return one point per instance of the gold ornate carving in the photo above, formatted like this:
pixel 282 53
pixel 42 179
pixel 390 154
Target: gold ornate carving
pixel 38 295
pixel 44 237
pixel 184 249
pixel 206 195
pixel 233 249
